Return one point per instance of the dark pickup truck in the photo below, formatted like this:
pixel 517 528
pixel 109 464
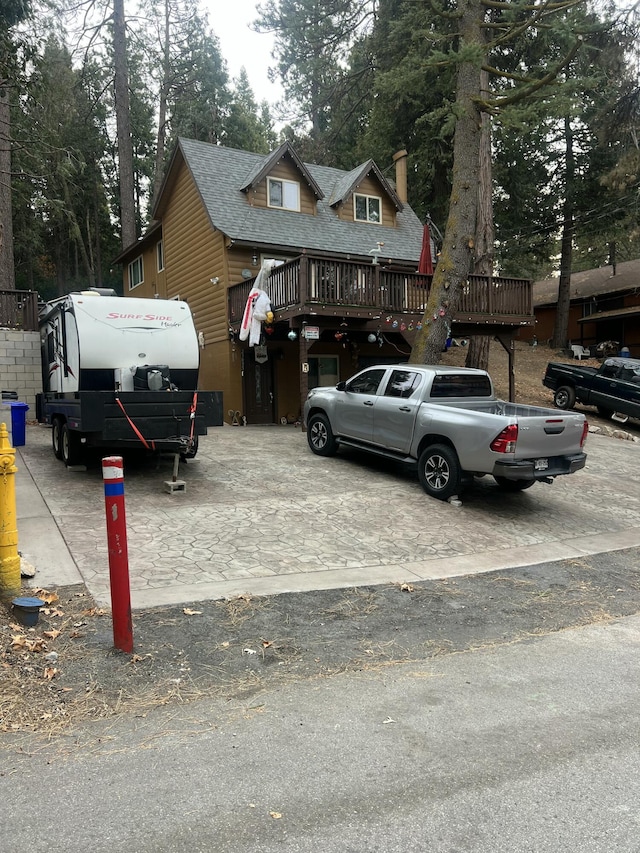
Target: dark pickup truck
pixel 613 388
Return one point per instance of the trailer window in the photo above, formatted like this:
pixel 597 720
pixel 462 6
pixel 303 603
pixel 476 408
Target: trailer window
pixel 461 385
pixel 51 348
pixel 136 274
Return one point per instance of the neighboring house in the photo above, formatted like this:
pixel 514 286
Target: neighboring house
pixel 346 291
pixel 605 306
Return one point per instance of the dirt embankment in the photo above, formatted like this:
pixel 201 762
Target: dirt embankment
pixel 530 365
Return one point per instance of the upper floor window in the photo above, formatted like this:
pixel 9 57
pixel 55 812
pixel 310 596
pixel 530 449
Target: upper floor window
pixel 136 273
pixel 160 255
pixel 283 194
pixel 367 208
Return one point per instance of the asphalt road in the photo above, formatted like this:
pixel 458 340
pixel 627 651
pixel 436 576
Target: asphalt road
pixel 528 746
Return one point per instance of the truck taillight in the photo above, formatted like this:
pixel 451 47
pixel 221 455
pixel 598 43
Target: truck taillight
pixel 506 441
pixel 585 433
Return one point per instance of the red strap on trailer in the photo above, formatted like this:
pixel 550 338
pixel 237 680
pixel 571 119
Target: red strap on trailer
pixel 192 414
pixel 151 446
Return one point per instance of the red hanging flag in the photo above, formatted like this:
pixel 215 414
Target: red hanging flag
pixel 425 266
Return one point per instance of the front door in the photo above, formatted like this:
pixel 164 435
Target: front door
pixel 258 390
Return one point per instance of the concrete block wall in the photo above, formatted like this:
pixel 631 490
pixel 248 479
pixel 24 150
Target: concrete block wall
pixel 20 369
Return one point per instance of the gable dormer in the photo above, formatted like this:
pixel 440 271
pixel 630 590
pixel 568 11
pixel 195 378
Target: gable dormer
pixel 365 195
pixel 281 181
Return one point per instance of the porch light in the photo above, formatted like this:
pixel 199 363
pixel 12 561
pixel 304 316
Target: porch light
pixel 254 258
pixel 292 335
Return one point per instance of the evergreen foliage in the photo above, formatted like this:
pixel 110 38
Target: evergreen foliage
pixel 361 80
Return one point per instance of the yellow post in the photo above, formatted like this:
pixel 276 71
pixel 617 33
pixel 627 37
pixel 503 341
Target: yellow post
pixel 9 557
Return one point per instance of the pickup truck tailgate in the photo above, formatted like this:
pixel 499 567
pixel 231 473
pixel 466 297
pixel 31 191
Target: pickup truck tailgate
pixel 548 435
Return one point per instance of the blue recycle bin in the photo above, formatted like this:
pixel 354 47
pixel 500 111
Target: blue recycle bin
pixel 18 422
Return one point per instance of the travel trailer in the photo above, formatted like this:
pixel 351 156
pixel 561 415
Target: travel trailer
pixel 122 373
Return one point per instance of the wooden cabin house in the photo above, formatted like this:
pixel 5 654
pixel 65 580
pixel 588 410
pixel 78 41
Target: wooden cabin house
pixel 604 306
pixel 345 287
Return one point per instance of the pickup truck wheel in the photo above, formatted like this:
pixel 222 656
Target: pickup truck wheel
pixel 320 436
pixel 513 485
pixel 439 471
pixel 565 397
pixel 70 444
pixel 56 437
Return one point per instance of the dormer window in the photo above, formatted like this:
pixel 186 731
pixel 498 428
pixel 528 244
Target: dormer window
pixel 366 208
pixel 283 194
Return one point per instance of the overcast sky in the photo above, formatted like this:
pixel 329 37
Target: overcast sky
pixel 230 20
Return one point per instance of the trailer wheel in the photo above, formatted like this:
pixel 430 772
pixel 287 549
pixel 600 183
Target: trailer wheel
pixel 56 437
pixel 439 471
pixel 565 397
pixel 70 444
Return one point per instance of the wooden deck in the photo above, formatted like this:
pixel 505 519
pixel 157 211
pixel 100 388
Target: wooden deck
pixel 317 286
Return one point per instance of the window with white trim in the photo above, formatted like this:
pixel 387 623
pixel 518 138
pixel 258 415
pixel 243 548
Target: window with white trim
pixel 160 255
pixel 136 272
pixel 283 194
pixel 367 208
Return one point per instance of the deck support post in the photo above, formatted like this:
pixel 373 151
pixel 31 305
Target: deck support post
pixel 509 345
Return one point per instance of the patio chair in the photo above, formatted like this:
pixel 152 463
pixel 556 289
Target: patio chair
pixel 580 352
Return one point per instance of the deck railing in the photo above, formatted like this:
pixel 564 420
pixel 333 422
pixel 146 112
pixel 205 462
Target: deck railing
pixel 319 281
pixel 19 310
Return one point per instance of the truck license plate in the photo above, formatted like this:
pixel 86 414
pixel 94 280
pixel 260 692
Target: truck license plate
pixel 541 464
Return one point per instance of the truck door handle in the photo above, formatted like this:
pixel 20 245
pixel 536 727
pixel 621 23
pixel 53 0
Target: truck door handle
pixel 368 403
pixel 404 409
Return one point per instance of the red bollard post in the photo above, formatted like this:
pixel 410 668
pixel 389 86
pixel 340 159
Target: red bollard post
pixel 113 476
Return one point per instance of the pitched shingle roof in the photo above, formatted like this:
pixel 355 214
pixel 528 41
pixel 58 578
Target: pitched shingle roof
pixel 594 282
pixel 220 174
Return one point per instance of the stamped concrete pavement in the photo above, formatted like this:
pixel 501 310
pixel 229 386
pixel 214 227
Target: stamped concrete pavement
pixel 260 514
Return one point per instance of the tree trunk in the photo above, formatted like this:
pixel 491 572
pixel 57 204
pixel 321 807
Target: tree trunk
pixel 76 234
pixel 561 328
pixel 123 123
pixel 452 270
pixel 478 352
pixel 162 109
pixel 7 270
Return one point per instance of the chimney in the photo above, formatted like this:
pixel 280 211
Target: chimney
pixel 400 159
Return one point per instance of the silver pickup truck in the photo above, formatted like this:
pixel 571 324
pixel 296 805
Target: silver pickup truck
pixel 449 421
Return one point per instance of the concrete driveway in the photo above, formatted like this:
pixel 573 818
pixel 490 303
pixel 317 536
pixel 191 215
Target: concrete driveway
pixel 261 514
